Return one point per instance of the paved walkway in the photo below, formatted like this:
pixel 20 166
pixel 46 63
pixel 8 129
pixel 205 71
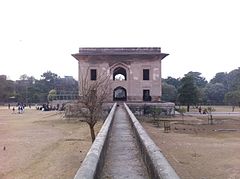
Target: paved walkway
pixel 123 158
pixel 214 114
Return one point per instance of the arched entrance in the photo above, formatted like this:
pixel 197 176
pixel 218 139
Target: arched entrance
pixel 120 74
pixel 119 94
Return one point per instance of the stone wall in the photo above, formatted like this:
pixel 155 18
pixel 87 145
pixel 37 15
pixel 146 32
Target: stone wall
pixel 140 109
pixel 157 165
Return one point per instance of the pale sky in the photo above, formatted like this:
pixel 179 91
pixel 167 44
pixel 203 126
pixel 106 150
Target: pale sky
pixel 41 35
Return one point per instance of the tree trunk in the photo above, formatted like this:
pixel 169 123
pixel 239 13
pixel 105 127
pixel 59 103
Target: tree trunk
pixel 211 119
pixel 188 106
pixel 92 132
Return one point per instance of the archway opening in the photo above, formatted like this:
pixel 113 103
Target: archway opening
pixel 120 74
pixel 120 94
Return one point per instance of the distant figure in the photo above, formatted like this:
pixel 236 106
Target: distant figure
pixel 20 109
pixel 205 111
pixel 13 109
pixel 4 148
pixel 9 106
pixel 200 110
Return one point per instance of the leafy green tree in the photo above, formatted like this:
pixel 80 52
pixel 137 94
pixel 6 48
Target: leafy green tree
pixel 6 89
pixel 221 77
pixel 215 93
pixel 233 98
pixel 173 81
pixel 188 92
pixel 169 92
pixel 30 90
pixel 66 85
pixel 25 88
pixel 234 80
pixel 23 77
pixel 49 80
pixel 198 80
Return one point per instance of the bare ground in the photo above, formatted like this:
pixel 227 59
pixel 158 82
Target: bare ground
pixel 199 150
pixel 39 144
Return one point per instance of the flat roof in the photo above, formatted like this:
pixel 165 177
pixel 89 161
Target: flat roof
pixel 121 51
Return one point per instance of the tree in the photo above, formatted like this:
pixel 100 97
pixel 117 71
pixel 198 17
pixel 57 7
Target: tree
pixel 169 92
pixel 209 110
pixel 23 77
pixel 6 89
pixel 156 113
pixel 215 93
pixel 30 90
pixel 49 76
pixel 66 85
pixel 182 111
pixel 234 80
pixel 52 94
pixel 188 92
pixel 49 79
pixel 25 89
pixel 93 95
pixel 220 77
pixel 199 81
pixel 172 81
pixel 232 98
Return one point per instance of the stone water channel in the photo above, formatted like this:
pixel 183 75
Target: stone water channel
pixel 123 158
pixel 122 149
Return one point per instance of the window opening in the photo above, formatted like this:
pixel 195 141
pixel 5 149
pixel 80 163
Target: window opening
pixel 93 74
pixel 145 74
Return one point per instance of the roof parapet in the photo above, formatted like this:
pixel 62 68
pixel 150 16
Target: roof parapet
pixel 120 51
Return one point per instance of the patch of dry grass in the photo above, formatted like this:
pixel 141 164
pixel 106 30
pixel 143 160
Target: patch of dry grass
pixel 41 144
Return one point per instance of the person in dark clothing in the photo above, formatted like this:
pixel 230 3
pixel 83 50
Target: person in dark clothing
pixel 200 110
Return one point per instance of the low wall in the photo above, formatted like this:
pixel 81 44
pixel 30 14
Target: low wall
pixel 94 159
pixel 157 165
pixel 139 109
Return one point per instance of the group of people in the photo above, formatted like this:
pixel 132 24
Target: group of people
pixel 204 111
pixel 47 107
pixel 20 108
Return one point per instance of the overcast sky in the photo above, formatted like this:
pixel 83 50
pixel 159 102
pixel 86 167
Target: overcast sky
pixel 41 35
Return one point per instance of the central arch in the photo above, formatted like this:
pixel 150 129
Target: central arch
pixel 119 73
pixel 119 94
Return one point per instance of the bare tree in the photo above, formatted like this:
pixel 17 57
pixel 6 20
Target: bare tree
pixel 93 94
pixel 210 116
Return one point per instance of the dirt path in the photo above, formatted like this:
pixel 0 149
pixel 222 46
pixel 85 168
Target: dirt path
pixel 41 145
pixel 198 150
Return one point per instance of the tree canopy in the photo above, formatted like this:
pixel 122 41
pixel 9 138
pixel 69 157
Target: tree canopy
pixel 30 90
pixel 233 98
pixel 188 92
pixel 212 92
